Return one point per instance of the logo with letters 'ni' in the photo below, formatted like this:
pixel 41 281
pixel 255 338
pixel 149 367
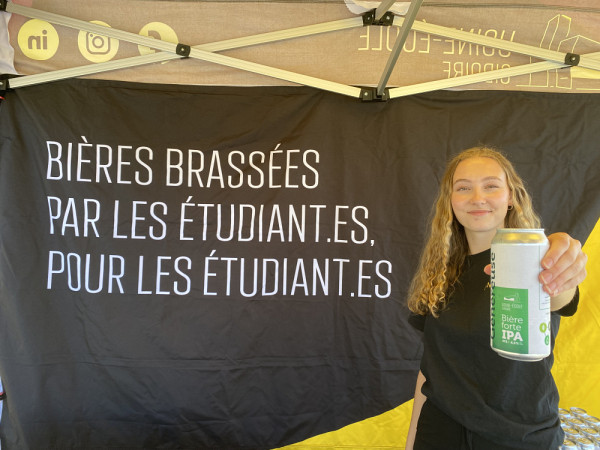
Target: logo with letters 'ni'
pixel 38 40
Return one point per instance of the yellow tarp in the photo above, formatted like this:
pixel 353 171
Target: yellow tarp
pixel 577 353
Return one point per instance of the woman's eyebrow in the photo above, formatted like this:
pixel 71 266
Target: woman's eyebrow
pixel 466 180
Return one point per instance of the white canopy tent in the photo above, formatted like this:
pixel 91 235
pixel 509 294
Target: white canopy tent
pixel 547 59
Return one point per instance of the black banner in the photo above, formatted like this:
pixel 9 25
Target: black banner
pixel 227 267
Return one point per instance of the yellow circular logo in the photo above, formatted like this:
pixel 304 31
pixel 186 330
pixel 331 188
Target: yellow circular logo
pixel 157 30
pixel 38 40
pixel 95 47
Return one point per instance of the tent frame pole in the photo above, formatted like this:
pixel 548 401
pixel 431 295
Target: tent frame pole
pixel 383 7
pixel 446 83
pixel 406 26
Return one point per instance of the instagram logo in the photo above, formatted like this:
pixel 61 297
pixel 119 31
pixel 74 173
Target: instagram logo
pixel 96 44
pixel 95 47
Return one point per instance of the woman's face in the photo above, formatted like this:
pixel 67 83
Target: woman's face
pixel 480 196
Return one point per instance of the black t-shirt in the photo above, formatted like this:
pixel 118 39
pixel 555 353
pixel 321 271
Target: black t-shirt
pixel 513 403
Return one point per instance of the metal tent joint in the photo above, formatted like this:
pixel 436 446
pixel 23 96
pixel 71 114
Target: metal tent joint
pixel 572 59
pixel 183 50
pixel 5 83
pixel 368 94
pixel 370 18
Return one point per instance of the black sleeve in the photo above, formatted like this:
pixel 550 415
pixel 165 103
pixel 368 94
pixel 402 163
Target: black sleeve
pixel 570 308
pixel 417 321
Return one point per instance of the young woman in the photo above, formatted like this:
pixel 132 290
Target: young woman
pixel 467 396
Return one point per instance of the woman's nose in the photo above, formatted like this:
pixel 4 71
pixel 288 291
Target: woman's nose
pixel 477 196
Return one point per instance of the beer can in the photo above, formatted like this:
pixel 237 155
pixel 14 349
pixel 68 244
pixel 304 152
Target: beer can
pixel 579 412
pixel 584 443
pixel 564 413
pixel 592 422
pixel 590 432
pixel 576 422
pixel 568 444
pixel 519 307
pixel 571 432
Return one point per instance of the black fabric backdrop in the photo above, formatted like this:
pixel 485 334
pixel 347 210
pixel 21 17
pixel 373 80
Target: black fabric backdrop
pixel 135 314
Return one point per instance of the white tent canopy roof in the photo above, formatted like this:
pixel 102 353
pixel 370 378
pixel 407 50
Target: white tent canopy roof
pixel 500 45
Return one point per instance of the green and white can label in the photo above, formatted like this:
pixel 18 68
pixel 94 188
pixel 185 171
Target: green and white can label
pixel 519 307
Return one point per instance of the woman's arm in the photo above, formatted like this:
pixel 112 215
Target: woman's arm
pixel 416 412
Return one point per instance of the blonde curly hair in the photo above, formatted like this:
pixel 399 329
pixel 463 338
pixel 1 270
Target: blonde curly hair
pixel 446 247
